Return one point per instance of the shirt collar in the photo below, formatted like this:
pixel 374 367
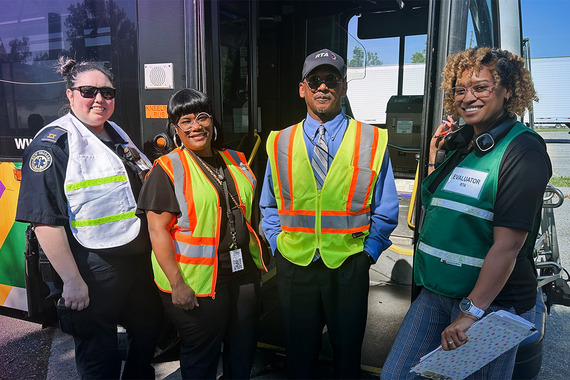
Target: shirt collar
pixel 332 127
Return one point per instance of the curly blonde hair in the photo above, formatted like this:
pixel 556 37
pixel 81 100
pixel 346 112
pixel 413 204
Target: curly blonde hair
pixel 507 69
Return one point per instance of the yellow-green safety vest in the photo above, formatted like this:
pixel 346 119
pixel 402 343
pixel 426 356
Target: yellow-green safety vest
pixel 336 219
pixel 196 233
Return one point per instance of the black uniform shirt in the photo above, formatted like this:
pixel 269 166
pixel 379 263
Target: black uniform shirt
pixel 42 198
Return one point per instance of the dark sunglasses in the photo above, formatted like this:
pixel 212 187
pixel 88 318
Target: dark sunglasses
pixel 91 91
pixel 331 81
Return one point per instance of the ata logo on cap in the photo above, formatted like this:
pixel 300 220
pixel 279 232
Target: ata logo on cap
pixel 40 161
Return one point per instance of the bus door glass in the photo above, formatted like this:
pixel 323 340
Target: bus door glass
pixel 32 37
pixel 472 25
pixel 235 61
pixel 393 43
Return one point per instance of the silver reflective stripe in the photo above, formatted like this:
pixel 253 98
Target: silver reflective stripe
pixel 243 167
pixel 450 257
pixel 283 167
pixel 345 222
pixel 178 172
pixel 365 161
pixel 463 208
pixel 305 221
pixel 189 250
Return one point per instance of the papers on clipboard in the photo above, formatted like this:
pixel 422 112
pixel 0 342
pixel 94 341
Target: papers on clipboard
pixel 488 338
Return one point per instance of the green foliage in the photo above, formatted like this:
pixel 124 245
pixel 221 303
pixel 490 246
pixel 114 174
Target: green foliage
pixel 358 58
pixel 560 181
pixel 418 57
pixel 373 59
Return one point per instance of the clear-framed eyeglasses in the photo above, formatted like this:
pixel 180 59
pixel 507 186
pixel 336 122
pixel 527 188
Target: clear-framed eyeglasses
pixel 481 90
pixel 203 119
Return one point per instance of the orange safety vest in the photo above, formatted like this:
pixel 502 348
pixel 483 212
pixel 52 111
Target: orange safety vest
pixel 196 233
pixel 336 219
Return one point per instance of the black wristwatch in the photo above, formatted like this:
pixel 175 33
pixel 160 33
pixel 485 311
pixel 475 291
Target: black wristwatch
pixel 466 306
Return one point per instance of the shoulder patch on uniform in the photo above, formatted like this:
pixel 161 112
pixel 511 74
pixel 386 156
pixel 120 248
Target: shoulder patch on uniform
pixel 40 161
pixel 54 134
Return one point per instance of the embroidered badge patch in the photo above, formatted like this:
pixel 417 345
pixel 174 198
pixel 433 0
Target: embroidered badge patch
pixel 40 161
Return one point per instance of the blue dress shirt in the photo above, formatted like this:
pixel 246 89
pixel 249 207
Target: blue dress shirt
pixel 384 205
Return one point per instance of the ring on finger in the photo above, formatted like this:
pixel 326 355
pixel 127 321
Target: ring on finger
pixel 450 342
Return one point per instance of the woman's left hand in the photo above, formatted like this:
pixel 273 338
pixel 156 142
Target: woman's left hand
pixel 454 335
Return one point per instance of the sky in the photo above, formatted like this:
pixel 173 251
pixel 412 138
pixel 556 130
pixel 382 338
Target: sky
pixel 545 24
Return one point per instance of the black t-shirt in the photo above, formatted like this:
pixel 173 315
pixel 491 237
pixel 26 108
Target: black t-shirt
pixel 42 198
pixel 523 175
pixel 158 194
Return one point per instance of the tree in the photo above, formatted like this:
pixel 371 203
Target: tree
pixel 418 57
pixel 357 57
pixel 373 59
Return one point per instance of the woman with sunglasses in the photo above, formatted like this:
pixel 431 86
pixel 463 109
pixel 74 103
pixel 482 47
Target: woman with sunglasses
pixel 198 201
pixel 482 210
pixel 81 177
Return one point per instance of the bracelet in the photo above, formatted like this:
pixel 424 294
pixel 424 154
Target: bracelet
pixel 431 165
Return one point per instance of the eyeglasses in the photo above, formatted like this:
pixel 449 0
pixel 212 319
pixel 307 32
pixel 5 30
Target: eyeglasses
pixel 92 91
pixel 480 91
pixel 331 81
pixel 203 119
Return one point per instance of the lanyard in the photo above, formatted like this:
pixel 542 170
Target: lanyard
pixel 221 180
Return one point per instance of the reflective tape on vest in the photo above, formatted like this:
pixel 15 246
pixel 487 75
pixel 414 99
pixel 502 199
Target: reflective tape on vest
pixel 284 144
pixel 362 180
pixel 195 251
pixel 450 258
pixel 463 208
pixel 242 165
pixel 345 223
pixel 297 222
pixel 179 180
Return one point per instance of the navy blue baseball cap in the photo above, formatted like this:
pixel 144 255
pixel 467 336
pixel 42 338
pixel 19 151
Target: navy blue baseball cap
pixel 323 57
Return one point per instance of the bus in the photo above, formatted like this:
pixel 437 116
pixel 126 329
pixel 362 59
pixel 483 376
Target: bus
pixel 247 56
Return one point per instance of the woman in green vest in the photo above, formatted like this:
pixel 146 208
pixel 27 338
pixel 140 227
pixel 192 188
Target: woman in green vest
pixel 482 210
pixel 206 255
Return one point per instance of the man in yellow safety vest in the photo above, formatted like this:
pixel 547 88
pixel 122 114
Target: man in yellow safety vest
pixel 329 205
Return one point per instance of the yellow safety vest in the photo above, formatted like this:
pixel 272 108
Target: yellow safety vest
pixel 196 233
pixel 336 219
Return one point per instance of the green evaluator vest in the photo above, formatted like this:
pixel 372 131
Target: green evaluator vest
pixel 457 231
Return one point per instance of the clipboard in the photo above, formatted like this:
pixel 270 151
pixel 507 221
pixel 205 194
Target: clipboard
pixel 488 338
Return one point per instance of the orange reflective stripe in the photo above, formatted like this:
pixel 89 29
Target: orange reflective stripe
pixel 276 161
pixel 194 240
pixel 290 165
pixel 192 217
pixel 355 159
pixel 376 135
pixel 195 260
pixel 342 213
pixel 345 231
pixel 166 165
pixel 374 147
pixel 298 229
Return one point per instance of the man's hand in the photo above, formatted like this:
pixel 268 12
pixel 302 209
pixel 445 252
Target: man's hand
pixel 184 297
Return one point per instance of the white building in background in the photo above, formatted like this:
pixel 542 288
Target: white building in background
pixel 551 78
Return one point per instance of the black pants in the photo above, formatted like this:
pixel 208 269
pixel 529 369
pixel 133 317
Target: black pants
pixel 121 291
pixel 231 317
pixel 315 295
